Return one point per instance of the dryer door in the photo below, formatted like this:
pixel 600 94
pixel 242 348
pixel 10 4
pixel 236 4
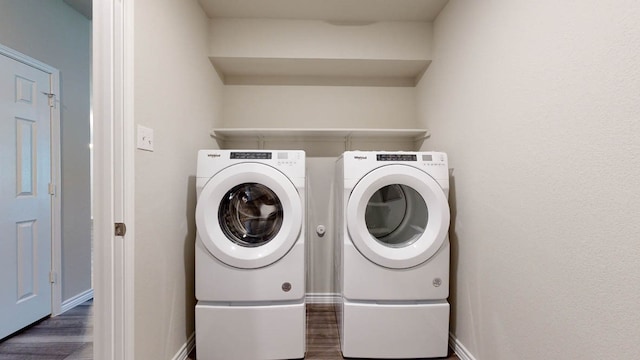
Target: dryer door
pixel 249 215
pixel 397 216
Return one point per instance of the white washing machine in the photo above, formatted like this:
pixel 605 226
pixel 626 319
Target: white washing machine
pixel 392 258
pixel 250 256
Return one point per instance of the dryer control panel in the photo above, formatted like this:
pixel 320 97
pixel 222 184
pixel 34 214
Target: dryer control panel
pixel 358 163
pixel 439 158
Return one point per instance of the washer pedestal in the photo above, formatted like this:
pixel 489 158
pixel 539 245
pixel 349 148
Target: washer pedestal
pixel 386 331
pixel 250 332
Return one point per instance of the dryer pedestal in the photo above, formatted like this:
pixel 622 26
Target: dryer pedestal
pixel 275 331
pixel 386 331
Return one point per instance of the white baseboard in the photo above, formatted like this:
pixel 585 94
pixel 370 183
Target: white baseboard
pixel 322 298
pixel 459 349
pixel 76 300
pixel 186 348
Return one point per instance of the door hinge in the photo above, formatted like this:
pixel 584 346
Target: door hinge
pixel 52 189
pixel 53 277
pixel 121 229
pixel 52 99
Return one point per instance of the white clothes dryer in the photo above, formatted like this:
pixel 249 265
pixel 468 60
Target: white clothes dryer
pixel 250 256
pixel 392 258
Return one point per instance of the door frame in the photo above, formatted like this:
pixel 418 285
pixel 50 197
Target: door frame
pixel 114 179
pixel 56 204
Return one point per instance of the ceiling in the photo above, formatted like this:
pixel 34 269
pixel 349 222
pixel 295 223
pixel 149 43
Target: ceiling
pixel 328 10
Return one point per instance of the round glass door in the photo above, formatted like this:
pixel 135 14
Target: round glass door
pixel 397 216
pixel 249 215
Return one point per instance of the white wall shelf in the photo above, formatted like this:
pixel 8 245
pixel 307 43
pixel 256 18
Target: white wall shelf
pixel 322 72
pixel 321 142
pixel 271 51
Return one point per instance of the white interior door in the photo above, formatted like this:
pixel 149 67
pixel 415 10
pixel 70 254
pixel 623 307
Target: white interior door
pixel 25 202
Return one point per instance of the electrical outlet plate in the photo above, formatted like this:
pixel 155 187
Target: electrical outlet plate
pixel 145 138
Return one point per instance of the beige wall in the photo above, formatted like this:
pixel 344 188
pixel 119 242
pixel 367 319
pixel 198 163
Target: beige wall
pixel 55 34
pixel 320 249
pixel 312 39
pixel 319 107
pixel 177 94
pixel 536 103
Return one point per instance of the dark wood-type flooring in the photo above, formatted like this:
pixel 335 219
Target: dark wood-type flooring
pixel 70 337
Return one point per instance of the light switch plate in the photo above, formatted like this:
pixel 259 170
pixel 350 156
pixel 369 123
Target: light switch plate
pixel 145 138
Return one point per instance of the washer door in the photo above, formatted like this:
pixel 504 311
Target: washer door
pixel 397 216
pixel 249 215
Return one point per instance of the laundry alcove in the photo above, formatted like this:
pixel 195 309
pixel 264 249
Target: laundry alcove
pixel 322 85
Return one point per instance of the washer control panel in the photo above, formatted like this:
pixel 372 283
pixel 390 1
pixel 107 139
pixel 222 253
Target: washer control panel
pixel 290 162
pixel 250 155
pixel 396 157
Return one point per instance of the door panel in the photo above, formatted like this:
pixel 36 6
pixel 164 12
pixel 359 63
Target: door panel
pixel 26 266
pixel 25 154
pixel 25 203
